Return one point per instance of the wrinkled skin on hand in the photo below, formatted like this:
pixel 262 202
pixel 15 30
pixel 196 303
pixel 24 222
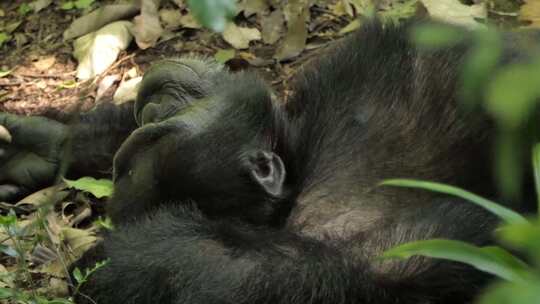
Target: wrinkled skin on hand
pixel 33 157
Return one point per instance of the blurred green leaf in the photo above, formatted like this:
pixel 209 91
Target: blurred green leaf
pixel 479 65
pixel 67 5
pixel 82 4
pixel 213 14
pixel 492 260
pixel 524 292
pixel 99 188
pixel 3 38
pixel 513 93
pixel 6 293
pixel 436 35
pixel 505 214
pixel 536 168
pixel 4 73
pixel 223 56
pixel 24 9
pixel 522 236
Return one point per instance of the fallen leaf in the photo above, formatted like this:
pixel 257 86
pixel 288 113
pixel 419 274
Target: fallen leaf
pixel 105 84
pixel 5 135
pixel 223 56
pixel 38 5
pixel 294 43
pixel 188 21
pixel 99 18
pixel 78 240
pixel 252 7
pixel 530 12
pixel 98 50
pixel 352 26
pixel 127 91
pixel 240 37
pixel 147 28
pixel 273 27
pixel 452 11
pixel 45 63
pixel 50 195
pixel 171 18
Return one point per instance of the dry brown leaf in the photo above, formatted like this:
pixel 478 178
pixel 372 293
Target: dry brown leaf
pixel 530 12
pixel 99 18
pixel 98 50
pixel 296 14
pixel 147 29
pixel 5 135
pixel 273 27
pixel 240 37
pixel 172 18
pixel 50 195
pixel 78 240
pixel 45 63
pixel 188 21
pixel 252 7
pixel 452 11
pixel 127 90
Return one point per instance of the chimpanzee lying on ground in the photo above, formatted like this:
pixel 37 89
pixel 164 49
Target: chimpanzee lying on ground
pixel 223 195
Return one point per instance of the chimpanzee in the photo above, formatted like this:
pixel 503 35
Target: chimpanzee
pixel 224 194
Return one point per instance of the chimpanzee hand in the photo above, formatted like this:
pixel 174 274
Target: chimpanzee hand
pixel 30 157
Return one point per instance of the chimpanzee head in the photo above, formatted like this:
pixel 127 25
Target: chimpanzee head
pixel 206 136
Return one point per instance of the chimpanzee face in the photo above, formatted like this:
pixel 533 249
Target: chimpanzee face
pixel 209 151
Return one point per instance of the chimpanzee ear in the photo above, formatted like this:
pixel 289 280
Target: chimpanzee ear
pixel 267 169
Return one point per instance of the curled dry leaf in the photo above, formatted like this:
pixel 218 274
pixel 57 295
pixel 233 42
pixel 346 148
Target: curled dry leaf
pixel 240 37
pixel 99 18
pixel 78 240
pixel 5 135
pixel 127 91
pixel 38 5
pixel 50 195
pixel 98 50
pixel 147 29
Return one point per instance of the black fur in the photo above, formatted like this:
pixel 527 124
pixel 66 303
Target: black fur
pixel 193 226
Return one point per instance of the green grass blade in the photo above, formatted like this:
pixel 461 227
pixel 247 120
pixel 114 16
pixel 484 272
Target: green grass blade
pixel 507 215
pixel 536 168
pixel 493 260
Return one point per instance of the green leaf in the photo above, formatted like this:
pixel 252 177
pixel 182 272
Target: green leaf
pixel 59 301
pixel 82 4
pixel 4 73
pixel 522 236
pixel 223 56
pixel 513 93
pixel 505 214
pixel 67 5
pixel 536 168
pixel 213 14
pixel 3 38
pixel 6 293
pixel 479 65
pixel 525 292
pixel 436 35
pixel 78 275
pixel 494 260
pixel 24 9
pixel 99 188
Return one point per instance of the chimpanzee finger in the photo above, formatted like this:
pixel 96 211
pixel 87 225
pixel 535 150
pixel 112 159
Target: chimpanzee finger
pixel 10 193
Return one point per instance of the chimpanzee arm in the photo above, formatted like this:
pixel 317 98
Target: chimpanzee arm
pixel 177 256
pixel 95 137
